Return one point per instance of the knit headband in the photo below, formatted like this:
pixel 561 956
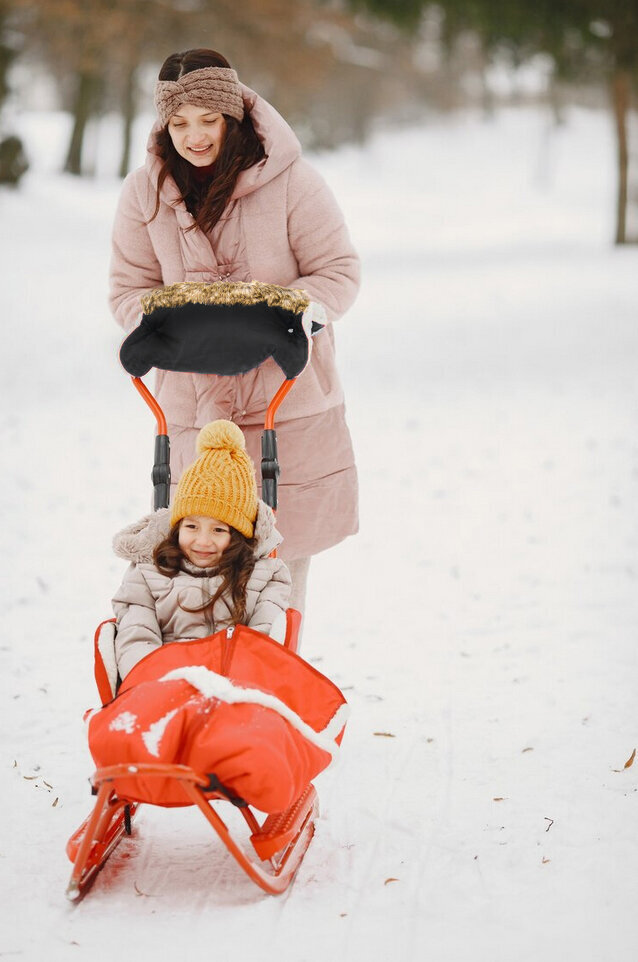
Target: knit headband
pixel 216 88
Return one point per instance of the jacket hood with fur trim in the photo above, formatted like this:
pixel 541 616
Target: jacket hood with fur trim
pixel 137 541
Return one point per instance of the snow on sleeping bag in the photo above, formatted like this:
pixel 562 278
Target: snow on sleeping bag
pixel 236 705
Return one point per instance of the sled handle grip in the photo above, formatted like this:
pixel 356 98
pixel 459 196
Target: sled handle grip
pixel 161 474
pixel 269 460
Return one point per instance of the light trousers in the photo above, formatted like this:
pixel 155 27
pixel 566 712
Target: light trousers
pixel 298 568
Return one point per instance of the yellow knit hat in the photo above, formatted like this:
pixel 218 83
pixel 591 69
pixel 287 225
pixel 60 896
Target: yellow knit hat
pixel 221 482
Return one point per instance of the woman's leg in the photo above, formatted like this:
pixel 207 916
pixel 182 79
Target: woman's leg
pixel 298 568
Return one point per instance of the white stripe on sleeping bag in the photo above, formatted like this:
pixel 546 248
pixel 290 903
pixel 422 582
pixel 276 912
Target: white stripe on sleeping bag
pixel 106 648
pixel 212 685
pixel 337 722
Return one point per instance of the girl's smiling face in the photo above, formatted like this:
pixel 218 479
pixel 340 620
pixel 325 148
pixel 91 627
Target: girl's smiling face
pixel 203 540
pixel 197 134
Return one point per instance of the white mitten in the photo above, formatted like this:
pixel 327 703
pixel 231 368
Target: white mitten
pixel 315 313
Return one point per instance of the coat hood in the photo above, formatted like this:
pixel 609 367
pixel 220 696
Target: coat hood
pixel 137 542
pixel 280 143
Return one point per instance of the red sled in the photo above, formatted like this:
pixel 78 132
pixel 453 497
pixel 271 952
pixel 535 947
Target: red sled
pixel 237 717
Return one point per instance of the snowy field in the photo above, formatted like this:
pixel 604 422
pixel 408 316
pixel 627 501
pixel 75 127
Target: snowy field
pixel 483 623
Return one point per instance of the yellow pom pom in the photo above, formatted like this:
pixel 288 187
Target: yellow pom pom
pixel 220 435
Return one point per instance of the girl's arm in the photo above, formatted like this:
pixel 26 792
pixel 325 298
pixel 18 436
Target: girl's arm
pixel 138 630
pixel 135 269
pixel 328 263
pixel 273 598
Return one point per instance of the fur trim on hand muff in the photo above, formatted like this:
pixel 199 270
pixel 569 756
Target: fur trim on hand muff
pixel 224 328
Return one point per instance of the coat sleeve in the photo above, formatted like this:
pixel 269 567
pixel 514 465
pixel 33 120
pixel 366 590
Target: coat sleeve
pixel 328 263
pixel 138 631
pixel 135 269
pixel 272 599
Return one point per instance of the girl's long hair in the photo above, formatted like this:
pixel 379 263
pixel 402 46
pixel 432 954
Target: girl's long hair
pixel 235 568
pixel 240 149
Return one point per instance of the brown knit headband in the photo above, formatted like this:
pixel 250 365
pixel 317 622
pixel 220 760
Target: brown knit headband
pixel 216 88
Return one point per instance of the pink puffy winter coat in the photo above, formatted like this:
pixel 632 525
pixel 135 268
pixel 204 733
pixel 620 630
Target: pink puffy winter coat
pixel 282 226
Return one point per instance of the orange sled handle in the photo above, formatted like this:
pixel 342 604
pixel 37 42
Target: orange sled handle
pixel 161 468
pixel 152 403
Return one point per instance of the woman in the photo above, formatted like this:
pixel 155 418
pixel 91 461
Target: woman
pixel 226 195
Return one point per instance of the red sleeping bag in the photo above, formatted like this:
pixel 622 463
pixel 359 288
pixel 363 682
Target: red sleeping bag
pixel 235 705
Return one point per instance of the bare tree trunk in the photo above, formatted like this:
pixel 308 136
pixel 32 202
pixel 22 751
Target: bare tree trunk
pixel 7 53
pixel 6 56
pixel 128 116
pixel 621 87
pixel 556 102
pixel 85 99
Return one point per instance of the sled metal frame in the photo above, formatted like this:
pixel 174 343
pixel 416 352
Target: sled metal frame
pixel 279 842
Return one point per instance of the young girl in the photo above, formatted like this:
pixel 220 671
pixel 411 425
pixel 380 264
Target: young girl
pixel 203 564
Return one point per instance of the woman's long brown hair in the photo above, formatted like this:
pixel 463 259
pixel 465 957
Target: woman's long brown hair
pixel 235 568
pixel 240 149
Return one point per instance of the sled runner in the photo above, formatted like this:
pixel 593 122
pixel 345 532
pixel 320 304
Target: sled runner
pixel 238 717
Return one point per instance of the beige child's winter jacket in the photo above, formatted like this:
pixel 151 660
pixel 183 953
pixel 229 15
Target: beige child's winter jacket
pixel 150 606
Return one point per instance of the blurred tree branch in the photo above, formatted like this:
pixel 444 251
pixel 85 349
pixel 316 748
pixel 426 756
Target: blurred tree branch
pixel 585 39
pixel 326 70
pixel 93 51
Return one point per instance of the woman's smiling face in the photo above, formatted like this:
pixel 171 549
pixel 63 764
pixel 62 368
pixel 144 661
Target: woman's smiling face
pixel 197 134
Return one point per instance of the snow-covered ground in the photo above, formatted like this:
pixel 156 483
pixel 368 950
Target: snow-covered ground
pixel 483 624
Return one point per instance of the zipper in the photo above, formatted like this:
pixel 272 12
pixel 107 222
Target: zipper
pixel 228 652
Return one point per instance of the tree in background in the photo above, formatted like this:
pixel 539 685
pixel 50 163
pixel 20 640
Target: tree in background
pixel 330 72
pixel 331 67
pixel 92 51
pixel 586 39
pixel 327 73
pixel 13 160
